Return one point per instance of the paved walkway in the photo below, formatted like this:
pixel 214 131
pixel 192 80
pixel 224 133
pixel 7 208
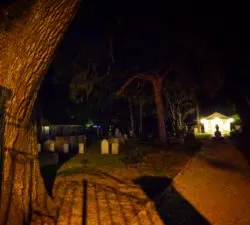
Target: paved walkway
pixel 217 184
pixel 98 204
pixel 93 199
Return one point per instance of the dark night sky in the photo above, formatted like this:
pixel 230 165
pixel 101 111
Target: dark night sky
pixel 207 39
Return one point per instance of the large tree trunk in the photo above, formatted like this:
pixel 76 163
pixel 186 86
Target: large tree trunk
pixel 29 47
pixel 157 88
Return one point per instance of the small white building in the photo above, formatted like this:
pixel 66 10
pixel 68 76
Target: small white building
pixel 215 119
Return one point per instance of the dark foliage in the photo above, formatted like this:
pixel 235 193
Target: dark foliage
pixel 132 154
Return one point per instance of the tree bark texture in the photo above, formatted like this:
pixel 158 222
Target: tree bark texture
pixel 27 51
pixel 157 89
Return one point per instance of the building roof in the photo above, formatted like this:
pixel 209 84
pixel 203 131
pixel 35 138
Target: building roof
pixel 216 115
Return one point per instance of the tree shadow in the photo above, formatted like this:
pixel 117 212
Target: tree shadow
pixel 242 143
pixel 172 207
pixel 227 166
pixel 152 186
pixel 49 172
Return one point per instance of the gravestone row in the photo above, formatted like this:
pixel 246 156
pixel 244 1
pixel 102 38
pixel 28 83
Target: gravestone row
pixel 51 147
pixel 107 147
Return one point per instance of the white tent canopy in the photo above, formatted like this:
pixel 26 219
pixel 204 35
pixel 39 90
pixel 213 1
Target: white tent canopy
pixel 210 122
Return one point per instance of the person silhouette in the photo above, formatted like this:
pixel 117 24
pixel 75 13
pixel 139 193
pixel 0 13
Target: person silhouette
pixel 217 133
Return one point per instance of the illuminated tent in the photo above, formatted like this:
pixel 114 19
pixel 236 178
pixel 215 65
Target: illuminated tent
pixel 219 119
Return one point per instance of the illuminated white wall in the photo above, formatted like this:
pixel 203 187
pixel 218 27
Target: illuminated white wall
pixel 210 125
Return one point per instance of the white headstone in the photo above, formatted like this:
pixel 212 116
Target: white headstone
pixel 104 147
pixel 52 147
pixel 39 147
pixel 115 148
pixel 65 148
pixel 81 148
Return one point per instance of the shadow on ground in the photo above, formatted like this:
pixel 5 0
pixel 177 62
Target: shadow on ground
pixel 83 202
pixel 172 207
pixel 49 172
pixel 227 166
pixel 243 144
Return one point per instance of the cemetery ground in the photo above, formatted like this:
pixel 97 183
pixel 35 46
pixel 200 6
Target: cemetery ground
pixel 154 185
pixel 117 187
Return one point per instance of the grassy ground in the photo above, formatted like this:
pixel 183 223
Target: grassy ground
pixel 202 136
pixel 141 158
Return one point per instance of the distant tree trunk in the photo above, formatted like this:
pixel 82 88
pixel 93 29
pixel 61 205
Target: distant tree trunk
pixel 198 118
pixel 157 89
pixel 141 115
pixel 29 47
pixel 131 114
pixel 157 82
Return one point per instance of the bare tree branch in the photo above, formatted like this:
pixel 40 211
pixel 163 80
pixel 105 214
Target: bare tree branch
pixel 131 79
pixel 167 72
pixel 111 50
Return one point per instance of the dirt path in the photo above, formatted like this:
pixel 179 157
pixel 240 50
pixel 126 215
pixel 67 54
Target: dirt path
pixel 217 184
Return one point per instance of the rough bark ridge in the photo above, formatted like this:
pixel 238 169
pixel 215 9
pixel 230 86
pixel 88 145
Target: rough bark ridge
pixel 29 47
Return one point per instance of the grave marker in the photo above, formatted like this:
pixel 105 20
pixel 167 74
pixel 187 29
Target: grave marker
pixel 52 146
pixel 65 148
pixel 115 148
pixel 104 147
pixel 39 147
pixel 81 148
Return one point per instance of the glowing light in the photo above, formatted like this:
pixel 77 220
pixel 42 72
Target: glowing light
pixel 89 124
pixel 217 120
pixel 203 120
pixel 223 123
pixel 46 128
